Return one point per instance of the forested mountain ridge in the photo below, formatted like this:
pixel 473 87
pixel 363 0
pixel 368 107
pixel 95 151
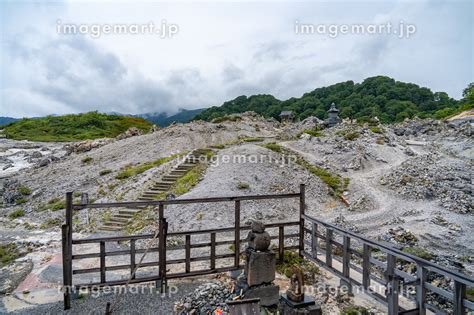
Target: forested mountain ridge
pixel 379 96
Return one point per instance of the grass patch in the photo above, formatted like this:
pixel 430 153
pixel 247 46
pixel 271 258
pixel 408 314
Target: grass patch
pixel 135 170
pixel 273 146
pixel 314 132
pixel 54 204
pixel 105 172
pixel 351 136
pixel 418 251
pixel 8 253
pixel 355 310
pixel 242 185
pixel 226 118
pixel 217 146
pixel 50 223
pixel 86 160
pixel 73 127
pixel 332 180
pixel 252 139
pixel 17 214
pixel 20 201
pixel 24 190
pixel 376 129
pixel 189 180
pixel 291 258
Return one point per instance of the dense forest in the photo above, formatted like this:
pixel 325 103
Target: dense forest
pixel 72 127
pixel 379 96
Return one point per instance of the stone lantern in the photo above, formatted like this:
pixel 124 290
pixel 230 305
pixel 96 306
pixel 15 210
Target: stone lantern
pixel 333 116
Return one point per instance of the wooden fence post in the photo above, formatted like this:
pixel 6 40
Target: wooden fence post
pixel 328 247
pixel 392 285
pixel 66 285
pixel 314 241
pixel 281 244
pixel 459 296
pixel 67 252
pixel 162 247
pixel 302 208
pixel 421 290
pixel 237 234
pixel 366 266
pixel 213 251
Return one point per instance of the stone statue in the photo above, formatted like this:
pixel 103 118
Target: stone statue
pixel 295 292
pixel 258 238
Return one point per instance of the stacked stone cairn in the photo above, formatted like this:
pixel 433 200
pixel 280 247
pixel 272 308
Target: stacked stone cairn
pixel 259 272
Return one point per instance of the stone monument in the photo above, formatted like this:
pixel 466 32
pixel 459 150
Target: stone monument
pixel 260 265
pixel 333 117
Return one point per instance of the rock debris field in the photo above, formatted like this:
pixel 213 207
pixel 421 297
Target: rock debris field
pixel 413 177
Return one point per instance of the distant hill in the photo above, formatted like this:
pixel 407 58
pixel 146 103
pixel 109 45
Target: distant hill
pixel 163 120
pixel 379 96
pixel 73 127
pixel 6 120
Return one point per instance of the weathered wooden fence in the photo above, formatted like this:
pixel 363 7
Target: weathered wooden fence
pixel 161 263
pixel 325 244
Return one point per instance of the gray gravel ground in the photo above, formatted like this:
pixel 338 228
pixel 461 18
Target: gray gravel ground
pixel 130 303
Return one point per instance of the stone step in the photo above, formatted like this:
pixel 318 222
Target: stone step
pixel 125 212
pixel 151 193
pixel 118 220
pixel 158 189
pixel 124 216
pixel 110 228
pixel 146 199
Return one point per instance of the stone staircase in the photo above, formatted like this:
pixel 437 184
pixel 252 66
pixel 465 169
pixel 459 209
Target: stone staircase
pixel 118 221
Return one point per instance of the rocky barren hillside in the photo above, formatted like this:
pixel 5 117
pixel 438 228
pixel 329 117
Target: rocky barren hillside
pixel 409 183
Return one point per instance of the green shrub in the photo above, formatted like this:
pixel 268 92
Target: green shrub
pixel 292 258
pixel 24 190
pixel 56 204
pixel 16 214
pixel 314 132
pixel 86 160
pixel 242 185
pixel 8 253
pixel 105 172
pixel 355 310
pixel 351 135
pixel 73 127
pixel 376 129
pixel 226 118
pixel 50 223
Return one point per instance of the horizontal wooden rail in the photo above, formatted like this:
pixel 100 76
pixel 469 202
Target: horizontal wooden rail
pixel 182 201
pixel 400 254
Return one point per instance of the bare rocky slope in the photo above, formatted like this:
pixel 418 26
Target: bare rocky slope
pixel 414 177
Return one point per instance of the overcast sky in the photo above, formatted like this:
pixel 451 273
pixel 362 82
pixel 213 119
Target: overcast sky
pixel 222 50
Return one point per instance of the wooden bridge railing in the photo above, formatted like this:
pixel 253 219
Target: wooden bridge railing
pixel 385 274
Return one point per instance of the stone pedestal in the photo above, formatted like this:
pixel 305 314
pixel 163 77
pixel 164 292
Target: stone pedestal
pixel 268 294
pixel 306 307
pixel 260 268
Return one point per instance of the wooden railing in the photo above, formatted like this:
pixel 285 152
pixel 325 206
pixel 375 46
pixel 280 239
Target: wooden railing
pixel 357 266
pixel 161 263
